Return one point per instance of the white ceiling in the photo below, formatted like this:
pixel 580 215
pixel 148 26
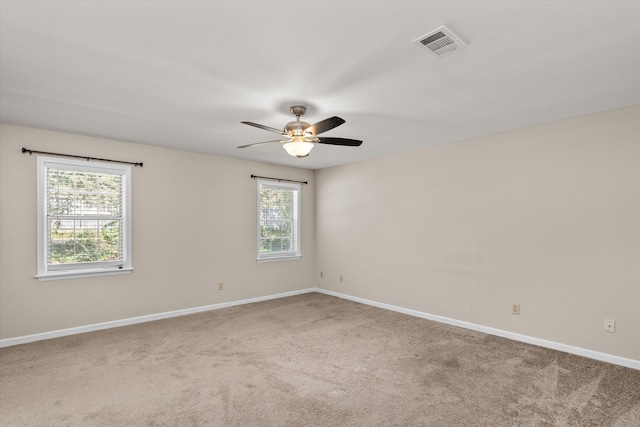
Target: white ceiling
pixel 184 74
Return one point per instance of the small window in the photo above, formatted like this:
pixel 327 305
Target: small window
pixel 84 218
pixel 278 220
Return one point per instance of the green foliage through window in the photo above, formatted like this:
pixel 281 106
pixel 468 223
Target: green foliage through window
pixel 278 219
pixel 84 216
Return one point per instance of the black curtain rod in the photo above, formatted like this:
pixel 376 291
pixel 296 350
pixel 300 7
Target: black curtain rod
pixel 26 150
pixel 279 179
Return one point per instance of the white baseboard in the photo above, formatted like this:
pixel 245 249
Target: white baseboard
pixel 616 360
pixel 604 357
pixel 141 319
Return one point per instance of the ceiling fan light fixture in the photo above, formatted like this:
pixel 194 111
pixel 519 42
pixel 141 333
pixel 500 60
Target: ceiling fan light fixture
pixel 300 137
pixel 298 149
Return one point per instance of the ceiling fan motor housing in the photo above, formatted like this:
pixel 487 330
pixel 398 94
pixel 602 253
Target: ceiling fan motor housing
pixel 296 128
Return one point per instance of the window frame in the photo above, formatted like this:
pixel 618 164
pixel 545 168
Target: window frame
pixel 44 272
pixel 282 255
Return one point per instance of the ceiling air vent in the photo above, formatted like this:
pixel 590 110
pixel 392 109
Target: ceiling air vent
pixel 441 41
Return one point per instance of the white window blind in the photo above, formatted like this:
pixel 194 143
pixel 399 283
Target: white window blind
pixel 84 218
pixel 278 220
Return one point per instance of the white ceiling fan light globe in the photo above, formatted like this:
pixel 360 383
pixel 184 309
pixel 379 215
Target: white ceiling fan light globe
pixel 298 148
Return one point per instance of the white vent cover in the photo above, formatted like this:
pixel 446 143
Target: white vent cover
pixel 441 41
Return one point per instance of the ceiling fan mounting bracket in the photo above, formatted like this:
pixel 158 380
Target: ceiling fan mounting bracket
pixel 298 110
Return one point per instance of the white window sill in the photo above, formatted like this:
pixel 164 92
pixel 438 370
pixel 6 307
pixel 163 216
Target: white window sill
pixel 279 258
pixel 72 274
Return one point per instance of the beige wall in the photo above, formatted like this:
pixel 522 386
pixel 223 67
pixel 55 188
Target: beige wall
pixel 547 217
pixel 194 225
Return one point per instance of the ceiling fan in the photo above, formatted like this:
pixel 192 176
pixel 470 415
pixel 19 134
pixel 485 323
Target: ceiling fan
pixel 299 137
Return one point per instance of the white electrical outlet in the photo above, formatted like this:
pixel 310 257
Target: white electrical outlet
pixel 220 286
pixel 609 325
pixel 515 309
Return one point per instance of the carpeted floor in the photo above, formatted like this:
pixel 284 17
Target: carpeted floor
pixel 308 360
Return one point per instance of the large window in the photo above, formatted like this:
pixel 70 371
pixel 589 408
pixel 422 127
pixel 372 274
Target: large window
pixel 278 220
pixel 84 218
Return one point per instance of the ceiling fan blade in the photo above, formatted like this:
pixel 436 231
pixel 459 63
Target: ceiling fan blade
pixel 270 129
pixel 340 141
pixel 325 125
pixel 260 143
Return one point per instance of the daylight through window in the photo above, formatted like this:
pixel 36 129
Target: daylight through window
pixel 278 220
pixel 84 221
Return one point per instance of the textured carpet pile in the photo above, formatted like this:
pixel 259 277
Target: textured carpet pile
pixel 308 360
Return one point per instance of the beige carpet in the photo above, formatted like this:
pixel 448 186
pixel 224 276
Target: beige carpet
pixel 309 360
